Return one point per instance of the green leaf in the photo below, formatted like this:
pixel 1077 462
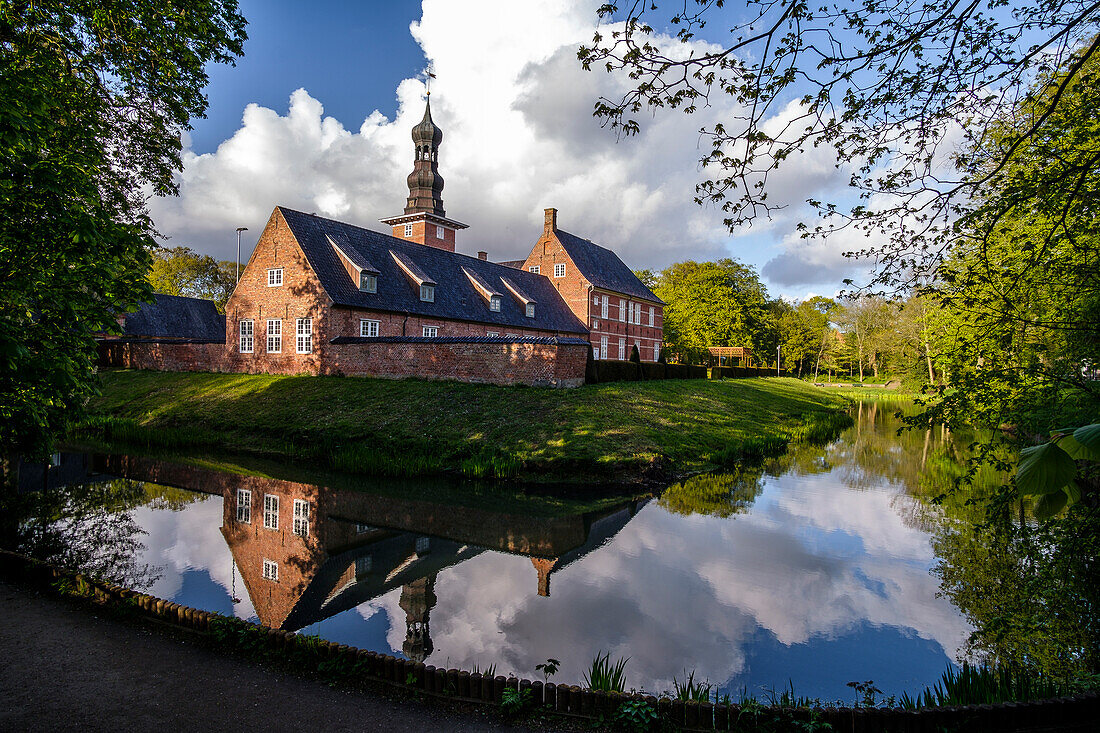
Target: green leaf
pixel 1073 492
pixel 1050 504
pixel 1077 451
pixel 1088 436
pixel 1044 469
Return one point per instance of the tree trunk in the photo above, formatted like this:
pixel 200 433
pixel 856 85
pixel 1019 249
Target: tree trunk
pixel 928 358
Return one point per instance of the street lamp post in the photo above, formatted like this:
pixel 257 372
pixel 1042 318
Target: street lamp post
pixel 777 361
pixel 239 230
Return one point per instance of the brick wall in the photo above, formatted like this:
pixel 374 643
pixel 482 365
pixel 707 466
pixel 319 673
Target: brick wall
pixel 486 362
pixel 163 356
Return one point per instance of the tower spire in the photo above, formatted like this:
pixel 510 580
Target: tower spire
pixel 425 183
pixel 424 220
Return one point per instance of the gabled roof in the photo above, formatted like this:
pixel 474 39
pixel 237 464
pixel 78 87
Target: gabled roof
pixel 603 268
pixel 456 298
pixel 514 264
pixel 176 317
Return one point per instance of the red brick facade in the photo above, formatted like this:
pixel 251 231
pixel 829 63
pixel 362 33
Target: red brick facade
pixel 616 321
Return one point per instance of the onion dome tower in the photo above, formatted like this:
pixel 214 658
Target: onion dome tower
pixel 425 220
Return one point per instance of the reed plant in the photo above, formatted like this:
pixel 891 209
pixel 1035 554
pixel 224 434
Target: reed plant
pixel 606 676
pixel 985 685
pixel 689 689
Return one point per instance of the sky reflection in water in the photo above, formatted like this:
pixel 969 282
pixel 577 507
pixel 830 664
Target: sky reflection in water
pixel 816 585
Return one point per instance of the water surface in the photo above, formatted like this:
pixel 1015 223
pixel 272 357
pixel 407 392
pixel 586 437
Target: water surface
pixel 812 571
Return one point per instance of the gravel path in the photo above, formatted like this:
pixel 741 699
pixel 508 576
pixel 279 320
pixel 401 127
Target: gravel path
pixel 63 666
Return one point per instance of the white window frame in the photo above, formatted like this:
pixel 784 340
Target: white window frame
pixel 430 331
pixel 408 230
pixel 603 346
pixel 271 512
pixel 439 231
pixel 300 526
pixel 533 269
pixel 494 303
pixel 559 269
pixel 271 570
pixel 246 329
pixel 493 334
pixel 423 545
pixel 427 293
pixel 274 277
pixel 603 307
pixel 651 311
pixel 370 281
pixel 244 506
pixel 595 325
pixel 303 331
pixel 622 310
pixel 622 349
pixel 529 310
pixel 274 336
pixel 596 353
pixel 368 328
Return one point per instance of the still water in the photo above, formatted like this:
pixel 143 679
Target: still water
pixel 811 572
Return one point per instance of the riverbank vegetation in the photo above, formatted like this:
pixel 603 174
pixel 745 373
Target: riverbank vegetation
pixel 618 432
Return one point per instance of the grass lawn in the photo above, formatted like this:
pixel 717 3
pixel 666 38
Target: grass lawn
pixel 607 432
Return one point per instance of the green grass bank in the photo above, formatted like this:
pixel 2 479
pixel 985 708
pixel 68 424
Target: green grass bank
pixel 613 433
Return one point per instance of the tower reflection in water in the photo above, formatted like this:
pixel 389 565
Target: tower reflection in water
pixel 307 552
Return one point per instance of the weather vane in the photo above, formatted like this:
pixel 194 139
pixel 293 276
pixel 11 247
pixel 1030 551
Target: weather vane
pixel 428 76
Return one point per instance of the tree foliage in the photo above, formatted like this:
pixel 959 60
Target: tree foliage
pixel 888 87
pixel 93 97
pixel 712 304
pixel 182 271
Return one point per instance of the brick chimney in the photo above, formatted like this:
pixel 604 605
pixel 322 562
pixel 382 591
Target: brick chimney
pixel 482 255
pixel 550 223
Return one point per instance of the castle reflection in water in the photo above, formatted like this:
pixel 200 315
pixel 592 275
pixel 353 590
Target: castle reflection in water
pixel 307 552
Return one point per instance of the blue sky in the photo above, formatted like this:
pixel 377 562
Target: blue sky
pixel 316 116
pixel 351 55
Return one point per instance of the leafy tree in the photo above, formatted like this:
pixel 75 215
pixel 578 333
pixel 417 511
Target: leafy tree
pixel 182 271
pixel 93 97
pixel 889 87
pixel 712 304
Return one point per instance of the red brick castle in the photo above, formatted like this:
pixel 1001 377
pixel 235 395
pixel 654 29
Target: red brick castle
pixel 319 296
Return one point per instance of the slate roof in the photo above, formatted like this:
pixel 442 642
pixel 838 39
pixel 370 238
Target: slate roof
pixel 514 264
pixel 456 298
pixel 603 268
pixel 176 317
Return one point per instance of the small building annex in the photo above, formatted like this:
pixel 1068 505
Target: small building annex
pixel 319 296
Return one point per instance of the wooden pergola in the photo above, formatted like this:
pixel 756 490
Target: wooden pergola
pixel 725 354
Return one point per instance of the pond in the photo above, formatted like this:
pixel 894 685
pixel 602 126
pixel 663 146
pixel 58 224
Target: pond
pixel 809 572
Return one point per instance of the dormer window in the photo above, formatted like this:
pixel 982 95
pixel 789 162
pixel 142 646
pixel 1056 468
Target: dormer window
pixel 275 277
pixel 494 303
pixel 368 282
pixel 427 293
pixel 530 310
